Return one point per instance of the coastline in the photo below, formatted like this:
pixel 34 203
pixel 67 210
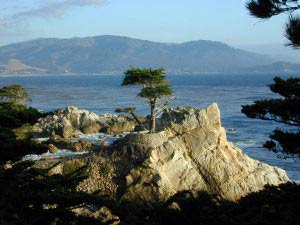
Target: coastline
pixel 168 74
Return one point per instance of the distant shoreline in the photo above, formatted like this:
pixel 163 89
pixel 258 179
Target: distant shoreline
pixel 168 74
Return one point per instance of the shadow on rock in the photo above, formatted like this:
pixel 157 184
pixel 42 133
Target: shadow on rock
pixel 31 196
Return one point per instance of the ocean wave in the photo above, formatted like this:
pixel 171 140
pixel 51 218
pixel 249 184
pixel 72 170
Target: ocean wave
pixel 248 144
pixel 61 153
pixel 98 138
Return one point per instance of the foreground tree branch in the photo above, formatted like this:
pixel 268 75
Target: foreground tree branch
pixel 130 110
pixel 283 110
pixel 265 9
pixel 163 106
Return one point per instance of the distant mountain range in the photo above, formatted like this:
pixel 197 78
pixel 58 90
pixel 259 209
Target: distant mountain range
pixel 278 67
pixel 113 54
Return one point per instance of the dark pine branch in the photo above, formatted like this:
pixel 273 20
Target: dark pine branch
pixel 279 110
pixel 265 9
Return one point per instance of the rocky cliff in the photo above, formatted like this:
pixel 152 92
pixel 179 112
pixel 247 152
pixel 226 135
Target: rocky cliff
pixel 190 152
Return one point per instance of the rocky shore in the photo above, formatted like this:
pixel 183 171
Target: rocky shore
pixel 190 152
pixel 100 168
pixel 70 129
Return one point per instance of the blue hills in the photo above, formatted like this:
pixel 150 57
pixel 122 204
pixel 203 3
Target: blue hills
pixel 109 54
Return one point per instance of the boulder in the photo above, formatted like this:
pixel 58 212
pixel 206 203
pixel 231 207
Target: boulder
pixel 191 152
pixel 103 214
pixel 120 127
pixel 52 148
pixel 80 146
pixel 8 165
pixel 80 119
pixel 70 122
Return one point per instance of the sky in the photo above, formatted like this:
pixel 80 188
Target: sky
pixel 156 20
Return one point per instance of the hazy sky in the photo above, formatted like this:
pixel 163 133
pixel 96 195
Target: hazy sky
pixel 156 20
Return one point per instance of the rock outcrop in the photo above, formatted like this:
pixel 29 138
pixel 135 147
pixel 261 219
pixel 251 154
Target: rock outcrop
pixel 103 215
pixel 67 123
pixel 191 152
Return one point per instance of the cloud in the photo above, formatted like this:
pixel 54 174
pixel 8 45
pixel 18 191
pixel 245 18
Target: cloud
pixel 57 8
pixel 16 13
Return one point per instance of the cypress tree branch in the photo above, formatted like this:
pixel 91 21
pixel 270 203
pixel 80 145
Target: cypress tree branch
pixel 167 102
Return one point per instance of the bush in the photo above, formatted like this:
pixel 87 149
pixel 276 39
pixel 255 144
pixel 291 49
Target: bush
pixel 25 132
pixel 16 122
pixel 72 167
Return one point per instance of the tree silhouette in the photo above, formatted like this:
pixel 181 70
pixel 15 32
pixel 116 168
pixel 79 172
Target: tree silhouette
pixel 14 93
pixel 154 89
pixel 266 9
pixel 285 110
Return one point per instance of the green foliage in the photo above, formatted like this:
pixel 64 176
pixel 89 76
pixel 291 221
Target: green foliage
pixel 289 142
pixel 292 31
pixel 72 167
pixel 155 92
pixel 288 88
pixel 286 109
pixel 14 93
pixel 13 115
pixel 24 132
pixel 154 89
pixel 280 110
pixel 266 9
pixel 13 149
pixel 144 77
pixel 283 110
pixel 16 120
pixel 130 110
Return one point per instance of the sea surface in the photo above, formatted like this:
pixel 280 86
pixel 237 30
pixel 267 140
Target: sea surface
pixel 103 93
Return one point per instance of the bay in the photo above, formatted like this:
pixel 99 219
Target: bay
pixel 103 93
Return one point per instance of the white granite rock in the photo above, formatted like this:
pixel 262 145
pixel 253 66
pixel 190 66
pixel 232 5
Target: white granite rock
pixel 191 152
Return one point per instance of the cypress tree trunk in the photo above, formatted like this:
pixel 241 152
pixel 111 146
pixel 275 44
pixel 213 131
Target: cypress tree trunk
pixel 152 117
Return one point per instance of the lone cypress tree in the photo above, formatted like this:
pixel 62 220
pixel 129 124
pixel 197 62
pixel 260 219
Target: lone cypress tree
pixel 155 89
pixel 285 110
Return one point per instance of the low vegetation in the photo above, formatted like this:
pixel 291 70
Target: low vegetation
pixel 16 120
pixel 72 167
pixel 27 199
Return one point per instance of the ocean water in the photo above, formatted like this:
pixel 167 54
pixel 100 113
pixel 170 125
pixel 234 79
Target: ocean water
pixel 103 93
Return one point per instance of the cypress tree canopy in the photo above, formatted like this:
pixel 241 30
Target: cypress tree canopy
pixel 143 77
pixel 154 89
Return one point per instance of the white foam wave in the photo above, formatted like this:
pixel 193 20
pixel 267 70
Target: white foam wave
pixel 98 138
pixel 248 144
pixel 41 139
pixel 61 153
